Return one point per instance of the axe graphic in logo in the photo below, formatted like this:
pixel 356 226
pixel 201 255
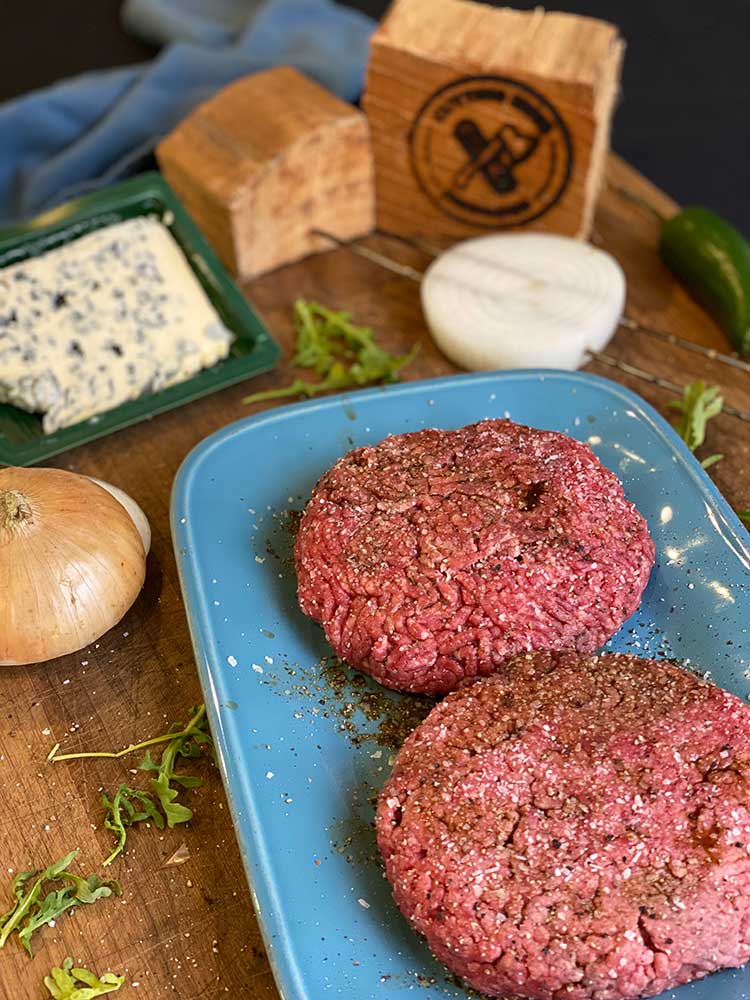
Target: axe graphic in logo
pixel 491 151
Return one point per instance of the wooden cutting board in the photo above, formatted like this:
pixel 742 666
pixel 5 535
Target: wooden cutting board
pixel 189 931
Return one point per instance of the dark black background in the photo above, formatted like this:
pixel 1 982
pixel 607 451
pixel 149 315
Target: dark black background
pixel 683 119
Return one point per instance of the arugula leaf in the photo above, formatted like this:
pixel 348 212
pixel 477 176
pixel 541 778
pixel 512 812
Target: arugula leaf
pixel 28 913
pixel 123 811
pixel 23 900
pixel 314 346
pixel 699 404
pixel 183 745
pixel 197 727
pixel 63 983
pixel 337 378
pixel 58 901
pixel 129 806
pixel 341 352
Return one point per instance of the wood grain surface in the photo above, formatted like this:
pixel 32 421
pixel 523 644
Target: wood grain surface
pixel 443 75
pixel 267 161
pixel 189 931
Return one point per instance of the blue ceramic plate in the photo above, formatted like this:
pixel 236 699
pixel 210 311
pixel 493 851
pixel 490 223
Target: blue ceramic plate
pixel 303 747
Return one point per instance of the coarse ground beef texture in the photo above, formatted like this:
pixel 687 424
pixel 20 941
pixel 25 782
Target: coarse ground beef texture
pixel 435 555
pixel 576 828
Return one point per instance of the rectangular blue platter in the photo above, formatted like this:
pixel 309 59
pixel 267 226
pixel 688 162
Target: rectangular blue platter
pixel 304 753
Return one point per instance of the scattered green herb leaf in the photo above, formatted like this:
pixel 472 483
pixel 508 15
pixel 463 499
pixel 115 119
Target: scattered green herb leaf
pixel 69 983
pixel 198 724
pixel 127 807
pixel 341 352
pixel 698 405
pixel 30 912
pixel 744 516
pixel 185 744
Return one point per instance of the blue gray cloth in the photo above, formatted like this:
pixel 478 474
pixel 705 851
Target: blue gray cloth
pixel 207 22
pixel 90 131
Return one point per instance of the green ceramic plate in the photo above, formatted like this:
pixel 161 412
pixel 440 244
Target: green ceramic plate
pixel 22 441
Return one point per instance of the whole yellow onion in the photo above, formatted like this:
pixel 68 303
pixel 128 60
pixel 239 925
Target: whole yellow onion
pixel 72 562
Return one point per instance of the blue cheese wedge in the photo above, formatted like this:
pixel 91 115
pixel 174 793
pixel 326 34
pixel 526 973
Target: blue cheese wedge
pixel 102 320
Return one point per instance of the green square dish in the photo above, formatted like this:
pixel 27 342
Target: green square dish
pixel 22 441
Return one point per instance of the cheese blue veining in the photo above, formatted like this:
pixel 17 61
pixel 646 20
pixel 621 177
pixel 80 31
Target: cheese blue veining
pixel 102 320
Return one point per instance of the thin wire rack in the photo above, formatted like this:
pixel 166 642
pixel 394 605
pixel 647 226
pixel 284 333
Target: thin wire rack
pixel 609 360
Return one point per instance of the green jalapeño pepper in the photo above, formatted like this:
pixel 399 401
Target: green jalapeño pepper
pixel 712 259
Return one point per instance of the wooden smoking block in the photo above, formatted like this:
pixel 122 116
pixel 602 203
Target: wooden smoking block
pixel 485 119
pixel 266 161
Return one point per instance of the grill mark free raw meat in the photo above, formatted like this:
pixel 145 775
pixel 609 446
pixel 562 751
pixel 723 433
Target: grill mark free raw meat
pixel 437 554
pixel 576 828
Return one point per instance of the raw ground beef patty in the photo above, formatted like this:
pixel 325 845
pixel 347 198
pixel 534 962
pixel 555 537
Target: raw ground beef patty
pixel 435 555
pixel 576 827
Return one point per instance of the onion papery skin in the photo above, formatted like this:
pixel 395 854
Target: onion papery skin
pixel 139 518
pixel 72 563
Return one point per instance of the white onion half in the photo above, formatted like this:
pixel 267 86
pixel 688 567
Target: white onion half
pixel 139 518
pixel 522 300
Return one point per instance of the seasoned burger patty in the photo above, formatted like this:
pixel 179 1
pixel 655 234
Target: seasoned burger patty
pixel 575 828
pixel 435 555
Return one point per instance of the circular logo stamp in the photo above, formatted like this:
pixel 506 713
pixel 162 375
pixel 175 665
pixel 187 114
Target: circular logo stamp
pixel 490 151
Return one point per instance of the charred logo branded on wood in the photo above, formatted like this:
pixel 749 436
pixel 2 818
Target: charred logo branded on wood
pixel 491 151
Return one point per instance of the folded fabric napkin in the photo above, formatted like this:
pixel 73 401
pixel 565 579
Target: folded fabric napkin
pixel 97 128
pixel 208 22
